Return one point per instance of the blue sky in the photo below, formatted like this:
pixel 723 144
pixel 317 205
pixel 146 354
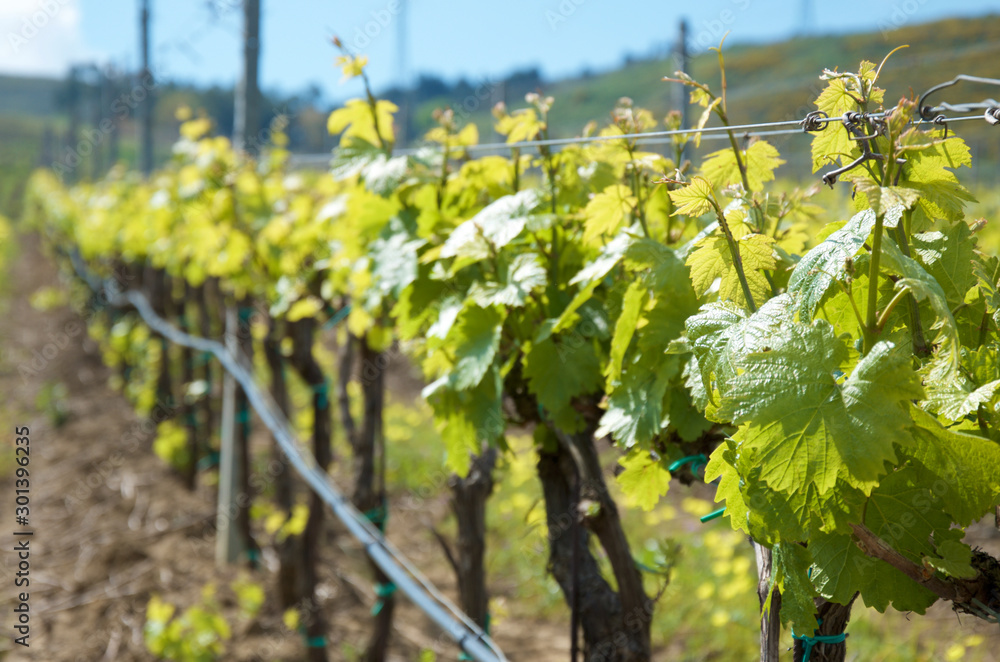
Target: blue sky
pixel 451 38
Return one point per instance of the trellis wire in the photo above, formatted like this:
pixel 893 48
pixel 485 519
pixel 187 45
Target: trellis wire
pixel 659 137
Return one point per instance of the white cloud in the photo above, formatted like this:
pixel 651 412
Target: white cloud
pixel 40 37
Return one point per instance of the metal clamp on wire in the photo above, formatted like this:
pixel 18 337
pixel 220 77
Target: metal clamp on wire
pixel 812 122
pixel 927 112
pixel 992 115
pixel 852 122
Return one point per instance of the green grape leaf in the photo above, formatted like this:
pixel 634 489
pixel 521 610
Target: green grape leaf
pixel 941 194
pixel 827 262
pixel 475 337
pixel 923 287
pixel 804 427
pixel 635 407
pixel 956 399
pixel 882 199
pixel 394 262
pixel 493 227
pixel 722 466
pixel 722 333
pixel 761 159
pixel 695 199
pixel 904 512
pixel 959 467
pixel 669 280
pixel 790 565
pixel 948 258
pixel 466 418
pixel 559 369
pixel 954 559
pixel 682 414
pixel 606 212
pixel 713 259
pixel 590 276
pixel 352 159
pixel 988 285
pixel 632 304
pixel 644 479
pixel 524 274
pixel 609 257
pixel 383 175
pixel 521 125
pixel 841 569
pixel 356 122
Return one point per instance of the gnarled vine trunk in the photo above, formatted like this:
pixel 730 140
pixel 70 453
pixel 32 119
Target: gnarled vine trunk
pixel 242 434
pixel 833 619
pixel 188 405
pixel 302 333
pixel 284 487
pixel 615 625
pixel 468 502
pixel 207 329
pixel 158 283
pixel 369 497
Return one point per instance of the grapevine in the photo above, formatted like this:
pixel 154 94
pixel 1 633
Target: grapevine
pixel 847 393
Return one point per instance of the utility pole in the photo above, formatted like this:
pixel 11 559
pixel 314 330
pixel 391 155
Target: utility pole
pixel 146 107
pixel 401 74
pixel 806 20
pixel 683 61
pixel 246 115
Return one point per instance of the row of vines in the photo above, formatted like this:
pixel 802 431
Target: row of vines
pixel 843 387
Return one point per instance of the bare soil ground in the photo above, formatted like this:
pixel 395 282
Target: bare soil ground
pixel 113 525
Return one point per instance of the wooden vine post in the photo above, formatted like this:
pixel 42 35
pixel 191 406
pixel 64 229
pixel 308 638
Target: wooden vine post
pixel 228 545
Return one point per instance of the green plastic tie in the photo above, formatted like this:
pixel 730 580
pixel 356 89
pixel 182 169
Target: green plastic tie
pixel 319 641
pixel 383 592
pixel 243 416
pixel 209 461
pixel 709 517
pixel 809 642
pixel 322 391
pixel 244 313
pixel 337 317
pixel 253 556
pixel 377 516
pixel 696 461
